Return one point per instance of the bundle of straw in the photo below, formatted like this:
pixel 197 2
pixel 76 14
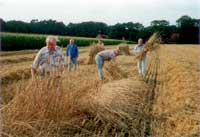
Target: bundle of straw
pixel 94 49
pixel 152 44
pixel 124 49
pixel 113 72
pixel 16 75
pixel 82 61
pixel 121 102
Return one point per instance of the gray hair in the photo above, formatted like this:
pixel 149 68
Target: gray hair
pixel 140 39
pixel 51 38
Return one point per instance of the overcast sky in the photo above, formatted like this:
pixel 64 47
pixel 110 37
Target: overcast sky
pixel 108 11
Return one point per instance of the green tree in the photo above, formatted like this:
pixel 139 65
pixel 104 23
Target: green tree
pixel 17 26
pixel 86 29
pixel 188 29
pixel 2 25
pixel 159 23
pixel 128 30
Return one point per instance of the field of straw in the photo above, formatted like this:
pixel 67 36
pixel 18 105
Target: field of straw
pixel 164 103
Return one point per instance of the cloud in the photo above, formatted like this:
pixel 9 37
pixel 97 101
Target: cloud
pixel 109 11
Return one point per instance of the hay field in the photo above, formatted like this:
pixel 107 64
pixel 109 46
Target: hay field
pixel 163 104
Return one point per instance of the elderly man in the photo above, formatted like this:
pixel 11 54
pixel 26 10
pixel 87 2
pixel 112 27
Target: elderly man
pixel 72 54
pixel 101 57
pixel 141 63
pixel 49 59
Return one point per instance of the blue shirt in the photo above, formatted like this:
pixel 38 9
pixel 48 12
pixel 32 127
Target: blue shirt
pixel 72 51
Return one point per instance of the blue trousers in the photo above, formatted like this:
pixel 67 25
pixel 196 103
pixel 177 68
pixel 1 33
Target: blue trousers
pixel 99 63
pixel 72 61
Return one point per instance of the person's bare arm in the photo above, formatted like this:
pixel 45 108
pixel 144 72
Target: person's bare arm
pixel 145 50
pixel 113 59
pixel 131 53
pixel 62 68
pixel 134 51
pixel 33 73
pixel 35 65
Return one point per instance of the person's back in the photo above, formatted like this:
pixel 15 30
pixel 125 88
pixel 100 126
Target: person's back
pixel 107 54
pixel 101 57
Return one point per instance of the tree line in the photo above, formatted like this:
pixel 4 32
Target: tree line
pixel 186 30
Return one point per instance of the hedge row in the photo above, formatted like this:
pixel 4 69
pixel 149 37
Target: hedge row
pixel 17 41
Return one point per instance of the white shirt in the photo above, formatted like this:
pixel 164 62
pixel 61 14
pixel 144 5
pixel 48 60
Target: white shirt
pixel 138 49
pixel 48 61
